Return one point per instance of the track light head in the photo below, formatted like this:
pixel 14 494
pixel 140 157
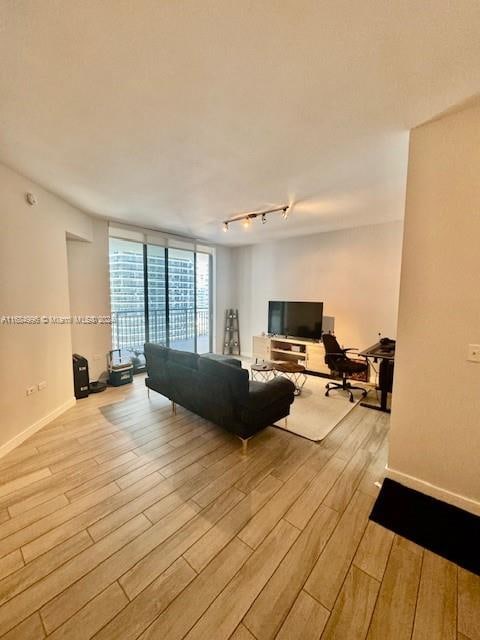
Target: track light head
pixel 247 222
pixel 225 227
pixel 285 213
pixel 264 218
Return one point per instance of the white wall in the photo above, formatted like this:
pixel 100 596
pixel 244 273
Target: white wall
pixel 34 281
pixel 89 287
pixel 355 272
pixel 225 292
pixel 435 432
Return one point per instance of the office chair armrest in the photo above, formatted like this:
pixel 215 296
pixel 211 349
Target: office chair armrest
pixel 349 349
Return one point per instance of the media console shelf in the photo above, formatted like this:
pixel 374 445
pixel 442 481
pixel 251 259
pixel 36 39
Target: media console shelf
pixel 277 349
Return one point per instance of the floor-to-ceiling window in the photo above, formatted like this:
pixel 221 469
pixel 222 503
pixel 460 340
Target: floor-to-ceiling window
pixel 127 294
pixel 203 285
pixel 160 293
pixel 181 299
pixel 157 294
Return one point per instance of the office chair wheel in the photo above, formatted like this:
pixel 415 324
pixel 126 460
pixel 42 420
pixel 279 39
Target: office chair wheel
pixel 351 397
pixel 327 392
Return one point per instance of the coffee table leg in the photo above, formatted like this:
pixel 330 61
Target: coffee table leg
pixel 299 380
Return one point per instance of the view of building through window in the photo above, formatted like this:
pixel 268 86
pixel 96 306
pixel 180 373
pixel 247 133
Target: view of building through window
pixel 161 295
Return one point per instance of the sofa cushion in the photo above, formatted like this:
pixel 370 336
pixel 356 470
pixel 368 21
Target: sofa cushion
pixel 156 358
pixel 263 394
pixel 155 355
pixel 183 358
pixel 234 376
pixel 224 359
pixel 184 385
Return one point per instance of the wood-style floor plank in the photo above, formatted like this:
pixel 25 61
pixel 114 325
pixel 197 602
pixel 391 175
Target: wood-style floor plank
pixel 469 604
pixel 212 542
pixel 436 614
pixel 57 582
pixel 24 577
pixel 180 616
pixel 269 610
pixel 395 608
pixel 374 549
pixel 306 620
pixel 223 616
pixel 241 633
pixel 353 608
pixel 143 610
pixel 265 519
pixel 93 616
pixel 143 572
pixel 329 573
pixel 119 560
pixel 10 563
pixel 29 629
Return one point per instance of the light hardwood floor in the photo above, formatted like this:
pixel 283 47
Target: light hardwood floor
pixel 120 520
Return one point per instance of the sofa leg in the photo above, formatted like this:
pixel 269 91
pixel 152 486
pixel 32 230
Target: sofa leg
pixel 174 408
pixel 244 446
pixel 148 392
pixel 286 423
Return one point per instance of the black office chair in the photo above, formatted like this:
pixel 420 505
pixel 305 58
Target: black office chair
pixel 337 360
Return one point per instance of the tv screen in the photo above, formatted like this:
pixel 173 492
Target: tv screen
pixel 296 319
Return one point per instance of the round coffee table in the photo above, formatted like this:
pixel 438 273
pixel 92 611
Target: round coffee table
pixel 294 372
pixel 262 371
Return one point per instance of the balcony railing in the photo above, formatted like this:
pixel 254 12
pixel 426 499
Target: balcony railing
pixel 128 328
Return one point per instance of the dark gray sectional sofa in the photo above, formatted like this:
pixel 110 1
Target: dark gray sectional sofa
pixel 218 389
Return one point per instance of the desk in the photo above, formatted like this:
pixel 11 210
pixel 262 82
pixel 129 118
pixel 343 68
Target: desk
pixel 386 355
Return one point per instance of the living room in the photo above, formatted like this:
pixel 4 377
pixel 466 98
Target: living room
pixel 169 175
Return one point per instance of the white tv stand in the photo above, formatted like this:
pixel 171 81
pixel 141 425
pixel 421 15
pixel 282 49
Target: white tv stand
pixel 278 349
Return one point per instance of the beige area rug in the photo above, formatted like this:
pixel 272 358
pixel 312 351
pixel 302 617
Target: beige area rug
pixel 312 414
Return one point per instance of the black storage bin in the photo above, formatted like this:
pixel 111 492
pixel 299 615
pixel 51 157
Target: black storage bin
pixel 80 376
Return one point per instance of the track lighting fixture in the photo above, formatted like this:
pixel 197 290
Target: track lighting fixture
pixel 246 218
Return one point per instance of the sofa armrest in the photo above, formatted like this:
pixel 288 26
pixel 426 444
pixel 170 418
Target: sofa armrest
pixel 264 394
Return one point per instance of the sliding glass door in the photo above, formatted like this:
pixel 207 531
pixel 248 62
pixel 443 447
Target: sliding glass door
pixel 155 285
pixel 181 299
pixel 203 299
pixel 127 294
pixel 160 294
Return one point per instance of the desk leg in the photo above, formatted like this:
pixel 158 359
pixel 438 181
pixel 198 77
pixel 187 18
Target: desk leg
pixel 383 401
pixel 378 407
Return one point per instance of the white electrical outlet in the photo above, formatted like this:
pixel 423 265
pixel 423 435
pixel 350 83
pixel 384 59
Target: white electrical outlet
pixel 473 353
pixel 42 385
pixel 31 390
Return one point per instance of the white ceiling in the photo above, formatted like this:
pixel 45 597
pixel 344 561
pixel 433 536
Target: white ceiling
pixel 178 114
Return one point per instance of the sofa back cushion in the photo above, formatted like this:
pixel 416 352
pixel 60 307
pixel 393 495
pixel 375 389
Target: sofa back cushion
pixel 233 378
pixel 183 358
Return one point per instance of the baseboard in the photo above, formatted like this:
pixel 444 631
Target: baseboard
pixel 36 426
pixel 468 504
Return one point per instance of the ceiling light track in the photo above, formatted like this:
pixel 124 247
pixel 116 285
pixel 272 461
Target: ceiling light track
pixel 246 218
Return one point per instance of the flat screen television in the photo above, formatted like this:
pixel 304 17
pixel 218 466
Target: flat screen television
pixel 296 319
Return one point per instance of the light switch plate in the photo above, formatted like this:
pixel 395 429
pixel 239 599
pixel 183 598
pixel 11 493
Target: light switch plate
pixel 473 353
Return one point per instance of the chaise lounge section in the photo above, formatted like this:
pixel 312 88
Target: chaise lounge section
pixel 218 389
